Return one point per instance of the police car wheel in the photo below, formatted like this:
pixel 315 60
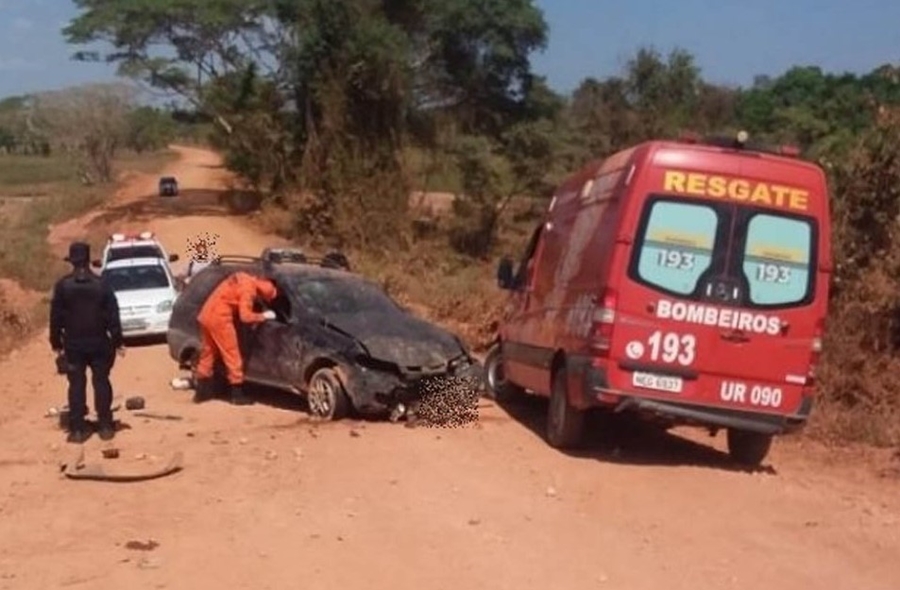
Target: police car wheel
pixel 326 396
pixel 748 448
pixel 496 386
pixel 565 423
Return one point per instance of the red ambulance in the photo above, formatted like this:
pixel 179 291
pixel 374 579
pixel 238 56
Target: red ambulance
pixel 685 280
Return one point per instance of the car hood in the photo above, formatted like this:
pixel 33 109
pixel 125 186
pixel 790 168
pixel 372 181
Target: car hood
pixel 144 297
pixel 400 338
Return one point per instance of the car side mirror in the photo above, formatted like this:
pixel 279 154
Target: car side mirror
pixel 96 263
pixel 505 278
pixel 173 257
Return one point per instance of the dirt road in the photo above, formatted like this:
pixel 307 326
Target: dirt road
pixel 269 500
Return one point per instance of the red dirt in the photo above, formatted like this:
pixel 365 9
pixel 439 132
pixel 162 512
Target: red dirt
pixel 269 500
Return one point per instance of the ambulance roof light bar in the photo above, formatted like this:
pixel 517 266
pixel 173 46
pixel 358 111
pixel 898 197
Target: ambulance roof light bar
pixel 739 141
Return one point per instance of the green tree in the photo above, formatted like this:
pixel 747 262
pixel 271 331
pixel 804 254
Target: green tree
pixel 149 129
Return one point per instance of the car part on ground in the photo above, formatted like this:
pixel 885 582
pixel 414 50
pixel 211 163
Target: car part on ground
pixel 135 403
pixel 79 470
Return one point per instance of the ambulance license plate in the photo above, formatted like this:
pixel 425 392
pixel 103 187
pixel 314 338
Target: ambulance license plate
pixel 657 382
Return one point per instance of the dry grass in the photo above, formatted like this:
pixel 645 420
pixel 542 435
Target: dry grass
pixel 39 193
pixel 19 173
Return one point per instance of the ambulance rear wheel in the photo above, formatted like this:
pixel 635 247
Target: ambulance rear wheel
pixel 496 386
pixel 748 448
pixel 565 423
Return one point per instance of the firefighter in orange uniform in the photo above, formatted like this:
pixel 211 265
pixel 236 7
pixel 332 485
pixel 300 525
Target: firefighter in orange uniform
pixel 230 301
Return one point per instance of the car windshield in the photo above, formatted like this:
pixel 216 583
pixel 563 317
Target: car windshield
pixel 334 296
pixel 135 278
pixel 126 252
pixel 682 244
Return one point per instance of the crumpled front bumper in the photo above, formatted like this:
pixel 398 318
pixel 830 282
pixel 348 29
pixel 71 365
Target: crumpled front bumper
pixel 375 391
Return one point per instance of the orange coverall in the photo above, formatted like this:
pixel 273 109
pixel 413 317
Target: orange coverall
pixel 216 319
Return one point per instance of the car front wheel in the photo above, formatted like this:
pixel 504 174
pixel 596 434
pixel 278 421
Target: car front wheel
pixel 326 396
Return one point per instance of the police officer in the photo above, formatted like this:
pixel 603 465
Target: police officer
pixel 85 328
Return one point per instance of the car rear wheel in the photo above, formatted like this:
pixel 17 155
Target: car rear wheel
pixel 496 385
pixel 565 423
pixel 748 448
pixel 326 396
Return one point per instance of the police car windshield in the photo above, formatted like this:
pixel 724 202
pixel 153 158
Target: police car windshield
pixel 335 296
pixel 125 252
pixel 683 243
pixel 136 278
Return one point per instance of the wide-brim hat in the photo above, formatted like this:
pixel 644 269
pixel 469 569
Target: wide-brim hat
pixel 79 253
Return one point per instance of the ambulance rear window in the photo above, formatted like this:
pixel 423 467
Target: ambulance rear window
pixel 677 246
pixel 777 259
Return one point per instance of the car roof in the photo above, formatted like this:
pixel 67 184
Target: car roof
pixel 133 262
pixel 292 270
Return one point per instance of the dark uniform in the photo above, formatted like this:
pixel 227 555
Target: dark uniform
pixel 85 326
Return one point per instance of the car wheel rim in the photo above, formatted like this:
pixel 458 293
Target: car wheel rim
pixel 321 396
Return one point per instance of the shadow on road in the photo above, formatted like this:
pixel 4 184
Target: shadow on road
pixel 144 341
pixel 196 202
pixel 625 439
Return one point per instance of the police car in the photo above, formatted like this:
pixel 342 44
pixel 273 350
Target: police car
pixel 146 291
pixel 122 246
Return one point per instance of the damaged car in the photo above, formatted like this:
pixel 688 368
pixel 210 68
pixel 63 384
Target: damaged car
pixel 338 339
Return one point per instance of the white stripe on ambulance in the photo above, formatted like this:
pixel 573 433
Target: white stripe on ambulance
pixel 693 313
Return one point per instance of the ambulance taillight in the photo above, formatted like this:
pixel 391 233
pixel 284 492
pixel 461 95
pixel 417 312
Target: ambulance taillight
pixel 815 351
pixel 602 323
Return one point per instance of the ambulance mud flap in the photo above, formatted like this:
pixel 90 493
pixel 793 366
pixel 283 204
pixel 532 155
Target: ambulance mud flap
pixel 761 423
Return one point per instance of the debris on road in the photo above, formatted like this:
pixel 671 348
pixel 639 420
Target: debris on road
pixel 97 472
pixel 148 545
pixel 135 403
pixel 155 416
pixel 180 383
pixel 110 453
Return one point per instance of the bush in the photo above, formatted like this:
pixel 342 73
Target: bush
pixel 859 394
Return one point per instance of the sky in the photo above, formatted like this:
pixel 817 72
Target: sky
pixel 732 40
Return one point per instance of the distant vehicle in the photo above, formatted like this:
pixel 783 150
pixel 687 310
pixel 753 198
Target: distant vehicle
pixel 146 292
pixel 684 280
pixel 168 186
pixel 120 246
pixel 338 339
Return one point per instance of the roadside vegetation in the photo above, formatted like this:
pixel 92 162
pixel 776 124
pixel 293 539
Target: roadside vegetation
pixel 53 168
pixel 332 114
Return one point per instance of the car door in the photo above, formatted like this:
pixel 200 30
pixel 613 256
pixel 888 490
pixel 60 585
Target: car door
pixel 272 346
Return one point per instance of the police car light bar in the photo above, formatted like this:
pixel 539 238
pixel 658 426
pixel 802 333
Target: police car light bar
pixel 119 237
